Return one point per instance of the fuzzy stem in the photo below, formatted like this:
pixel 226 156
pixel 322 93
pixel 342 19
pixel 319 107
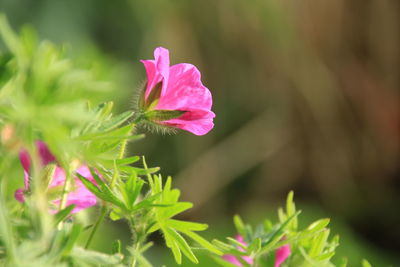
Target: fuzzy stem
pixel 134 259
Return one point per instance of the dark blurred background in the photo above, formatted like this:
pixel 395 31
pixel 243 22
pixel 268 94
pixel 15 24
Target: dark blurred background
pixel 306 95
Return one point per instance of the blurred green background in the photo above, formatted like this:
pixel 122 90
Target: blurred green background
pixel 306 95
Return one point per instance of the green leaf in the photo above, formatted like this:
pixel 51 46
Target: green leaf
pixel 255 246
pixel 186 226
pixel 181 242
pixel 203 242
pixel 115 121
pixel 236 243
pixel 72 238
pixel 318 243
pixel 62 214
pixel 106 196
pixel 175 209
pixel 239 225
pixel 290 210
pixel 277 234
pixel 318 225
pixel 127 161
pixel 172 244
pixel 139 171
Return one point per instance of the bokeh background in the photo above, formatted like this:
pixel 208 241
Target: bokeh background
pixel 306 95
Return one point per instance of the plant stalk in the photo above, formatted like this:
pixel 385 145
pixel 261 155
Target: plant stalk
pixel 104 209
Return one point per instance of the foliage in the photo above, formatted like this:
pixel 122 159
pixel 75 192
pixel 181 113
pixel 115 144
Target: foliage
pixel 45 96
pixel 309 247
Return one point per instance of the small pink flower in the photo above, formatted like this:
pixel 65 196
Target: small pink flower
pixel 181 90
pixel 80 196
pixel 281 255
pixel 232 259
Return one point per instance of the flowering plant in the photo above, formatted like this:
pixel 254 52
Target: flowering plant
pixel 73 156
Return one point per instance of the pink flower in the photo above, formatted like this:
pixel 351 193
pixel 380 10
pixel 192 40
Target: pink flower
pixel 181 90
pixel 80 196
pixel 232 259
pixel 281 255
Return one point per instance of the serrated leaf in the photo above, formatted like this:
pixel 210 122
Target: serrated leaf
pixel 181 242
pixel 176 208
pixel 172 244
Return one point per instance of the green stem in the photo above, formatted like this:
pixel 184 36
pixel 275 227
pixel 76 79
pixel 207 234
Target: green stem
pixel 97 224
pixel 104 209
pixel 64 195
pixel 134 258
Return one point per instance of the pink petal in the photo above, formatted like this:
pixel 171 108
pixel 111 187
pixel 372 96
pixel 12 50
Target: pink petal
pixel 80 196
pixel 157 70
pixel 281 255
pixel 198 122
pixel 45 155
pixel 185 90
